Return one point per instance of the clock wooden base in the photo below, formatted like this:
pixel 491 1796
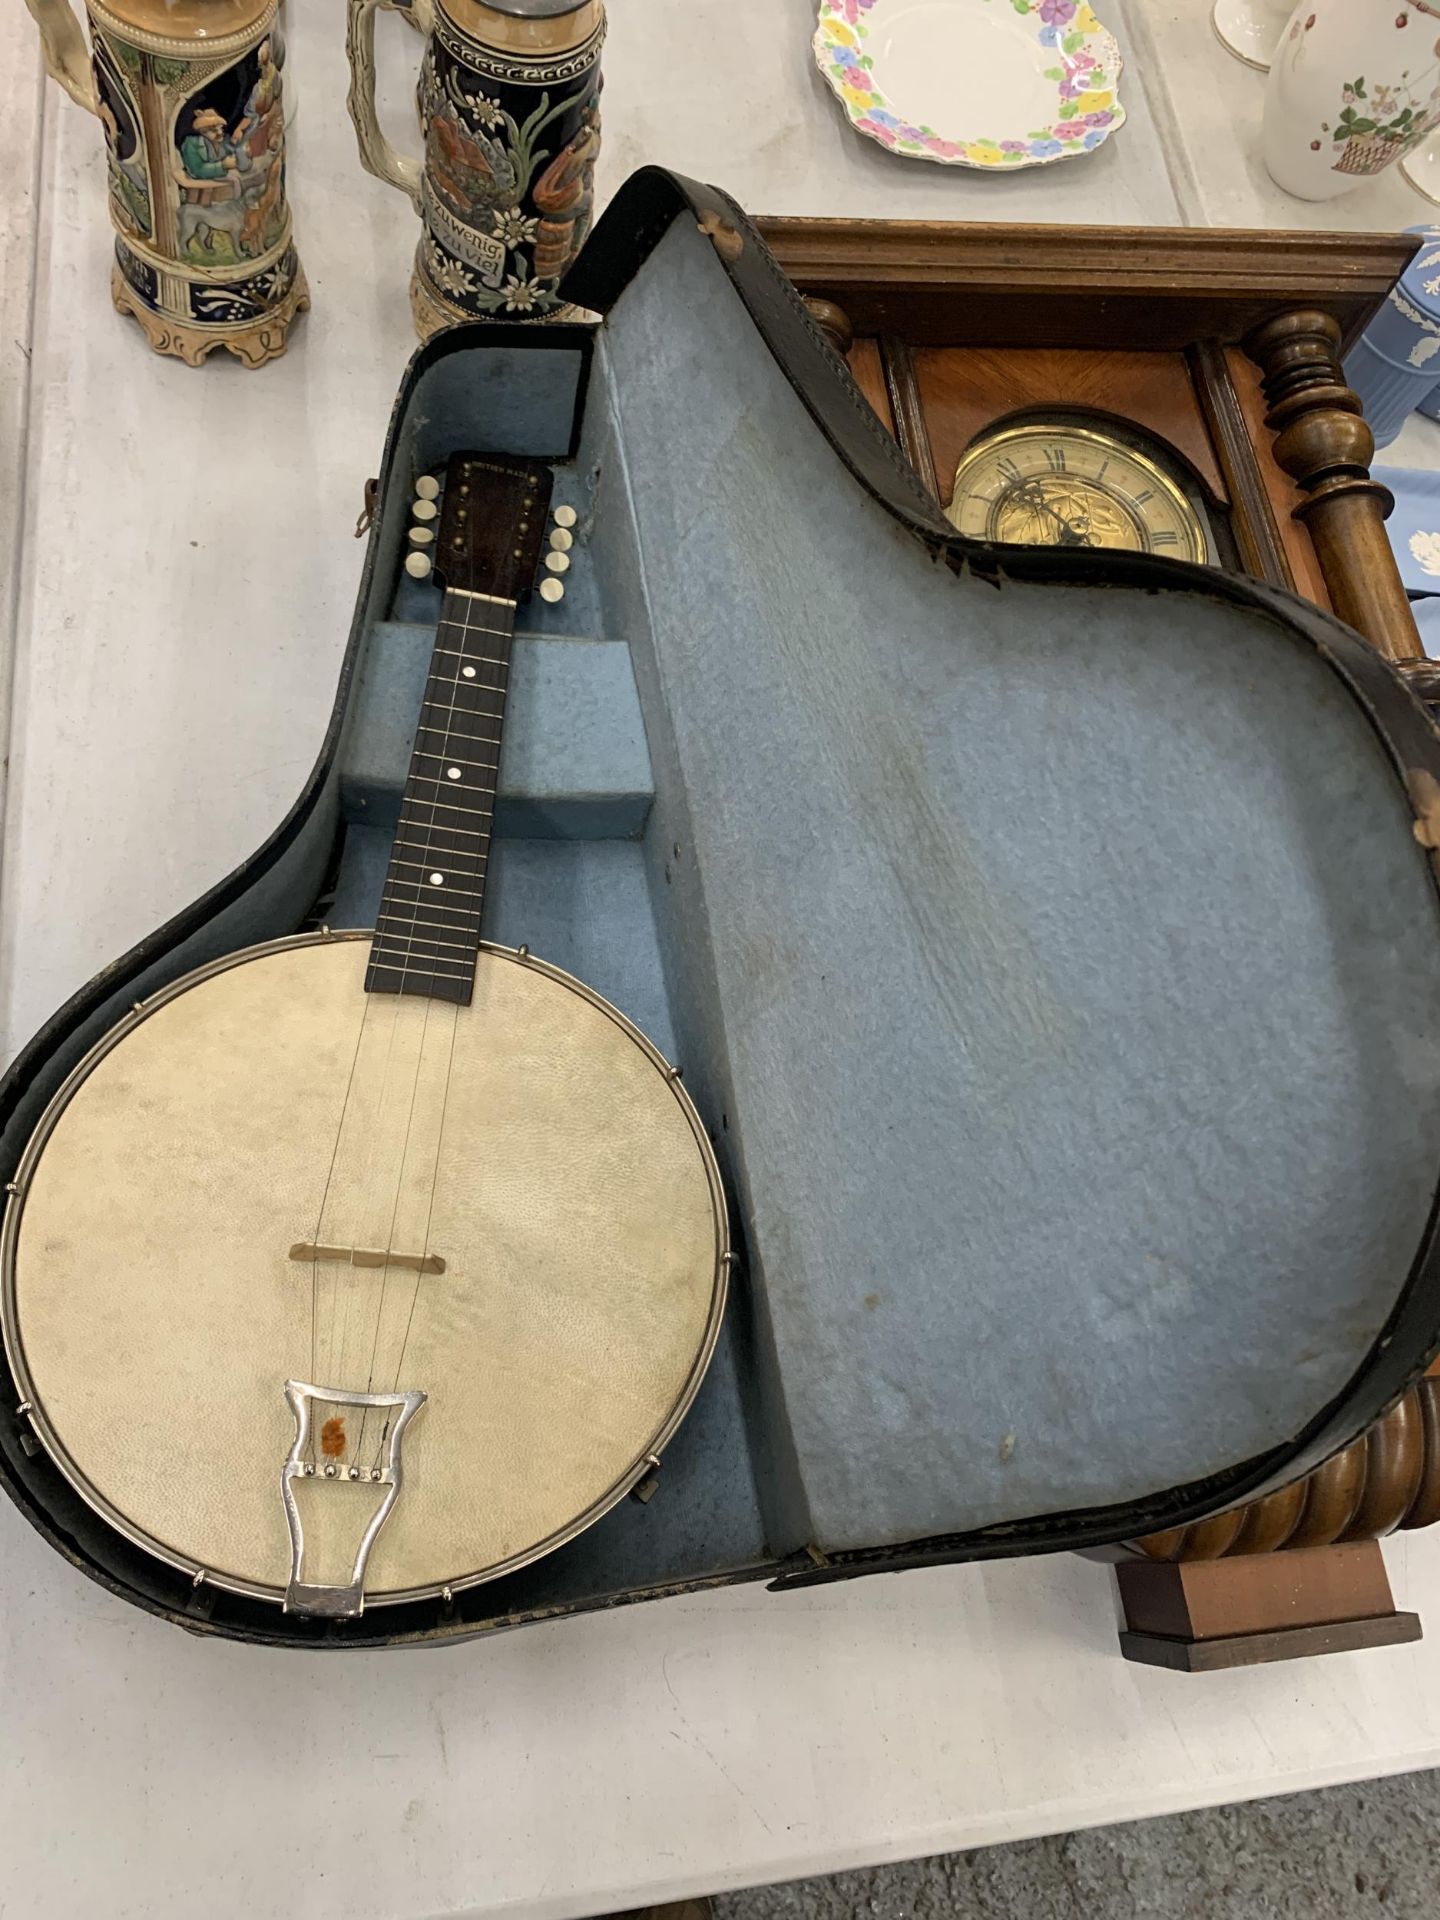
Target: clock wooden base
pixel 1204 1615
pixel 1219 354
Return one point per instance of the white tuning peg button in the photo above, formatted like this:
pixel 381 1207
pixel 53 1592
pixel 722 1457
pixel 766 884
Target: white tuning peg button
pixel 561 539
pixel 565 517
pixel 558 562
pixel 421 536
pixel 552 590
pixel 417 565
pixel 427 487
pixel 425 510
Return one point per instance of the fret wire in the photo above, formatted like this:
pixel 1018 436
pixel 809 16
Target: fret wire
pixel 455 711
pixel 463 853
pixel 434 939
pixel 451 926
pixel 430 940
pixel 412 799
pixel 447 785
pixel 427 892
pixel 490 659
pixel 423 864
pixel 447 729
pixel 425 965
pixel 448 806
pixel 427 829
pixel 451 732
pixel 454 759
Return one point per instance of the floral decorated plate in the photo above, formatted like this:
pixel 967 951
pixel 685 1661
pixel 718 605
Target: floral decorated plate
pixel 997 84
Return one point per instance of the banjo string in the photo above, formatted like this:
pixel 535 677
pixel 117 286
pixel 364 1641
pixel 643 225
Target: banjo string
pixel 340 1321
pixel 394 1216
pixel 429 1216
pixel 497 687
pixel 324 1199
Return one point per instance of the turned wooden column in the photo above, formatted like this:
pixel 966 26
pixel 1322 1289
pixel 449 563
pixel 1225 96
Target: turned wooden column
pixel 833 322
pixel 1386 1480
pixel 1298 1572
pixel 1326 448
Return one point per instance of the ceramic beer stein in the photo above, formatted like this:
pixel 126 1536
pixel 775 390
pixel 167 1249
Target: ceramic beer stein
pixel 1354 85
pixel 189 93
pixel 510 109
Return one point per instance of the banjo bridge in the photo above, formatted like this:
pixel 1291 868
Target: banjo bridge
pixel 340 1481
pixel 305 1251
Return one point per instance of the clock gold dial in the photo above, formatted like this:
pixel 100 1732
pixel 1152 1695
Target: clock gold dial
pixel 1045 485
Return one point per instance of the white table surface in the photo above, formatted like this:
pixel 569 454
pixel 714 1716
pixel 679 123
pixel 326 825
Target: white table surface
pixel 174 621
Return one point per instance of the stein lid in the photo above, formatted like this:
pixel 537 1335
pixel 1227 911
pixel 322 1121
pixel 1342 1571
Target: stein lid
pixel 535 9
pixel 534 28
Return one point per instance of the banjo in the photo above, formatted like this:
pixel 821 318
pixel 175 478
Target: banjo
pixel 360 1267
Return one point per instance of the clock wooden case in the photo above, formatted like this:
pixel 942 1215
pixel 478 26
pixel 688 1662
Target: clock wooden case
pixel 1216 355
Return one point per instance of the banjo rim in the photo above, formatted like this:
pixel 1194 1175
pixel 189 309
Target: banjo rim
pixel 32 1409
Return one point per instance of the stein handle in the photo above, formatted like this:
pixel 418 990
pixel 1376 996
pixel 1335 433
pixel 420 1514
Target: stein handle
pixel 377 156
pixel 67 57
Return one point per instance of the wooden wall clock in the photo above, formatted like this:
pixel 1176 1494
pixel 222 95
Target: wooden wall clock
pixel 1176 391
pixel 1180 393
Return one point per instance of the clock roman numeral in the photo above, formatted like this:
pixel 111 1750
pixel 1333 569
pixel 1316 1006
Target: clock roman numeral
pixel 1165 539
pixel 1055 456
pixel 1010 470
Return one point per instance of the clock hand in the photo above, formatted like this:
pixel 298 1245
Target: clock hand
pixel 1031 494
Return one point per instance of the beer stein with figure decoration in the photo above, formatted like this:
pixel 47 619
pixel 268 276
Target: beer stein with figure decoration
pixel 190 95
pixel 509 101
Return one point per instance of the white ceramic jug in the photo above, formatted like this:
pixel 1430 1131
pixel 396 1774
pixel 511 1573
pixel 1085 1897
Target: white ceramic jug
pixel 1353 86
pixel 1251 29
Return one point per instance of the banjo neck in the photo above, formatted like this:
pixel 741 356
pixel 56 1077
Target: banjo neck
pixel 490 529
pixel 427 932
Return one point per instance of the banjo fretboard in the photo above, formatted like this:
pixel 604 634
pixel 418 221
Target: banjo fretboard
pixel 428 928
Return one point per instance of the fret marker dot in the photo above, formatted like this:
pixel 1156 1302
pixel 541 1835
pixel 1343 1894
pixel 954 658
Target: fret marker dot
pixel 467 673
pixel 452 773
pixel 437 879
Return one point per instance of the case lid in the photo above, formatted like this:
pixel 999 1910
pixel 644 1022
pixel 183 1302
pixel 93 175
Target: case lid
pixel 1051 938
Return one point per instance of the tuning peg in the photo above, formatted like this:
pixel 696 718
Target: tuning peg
pixel 558 562
pixel 565 517
pixel 417 565
pixel 561 539
pixel 551 589
pixel 421 536
pixel 427 487
pixel 425 509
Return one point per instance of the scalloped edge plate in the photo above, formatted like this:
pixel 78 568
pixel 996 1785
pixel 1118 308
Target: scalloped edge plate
pixel 1069 48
